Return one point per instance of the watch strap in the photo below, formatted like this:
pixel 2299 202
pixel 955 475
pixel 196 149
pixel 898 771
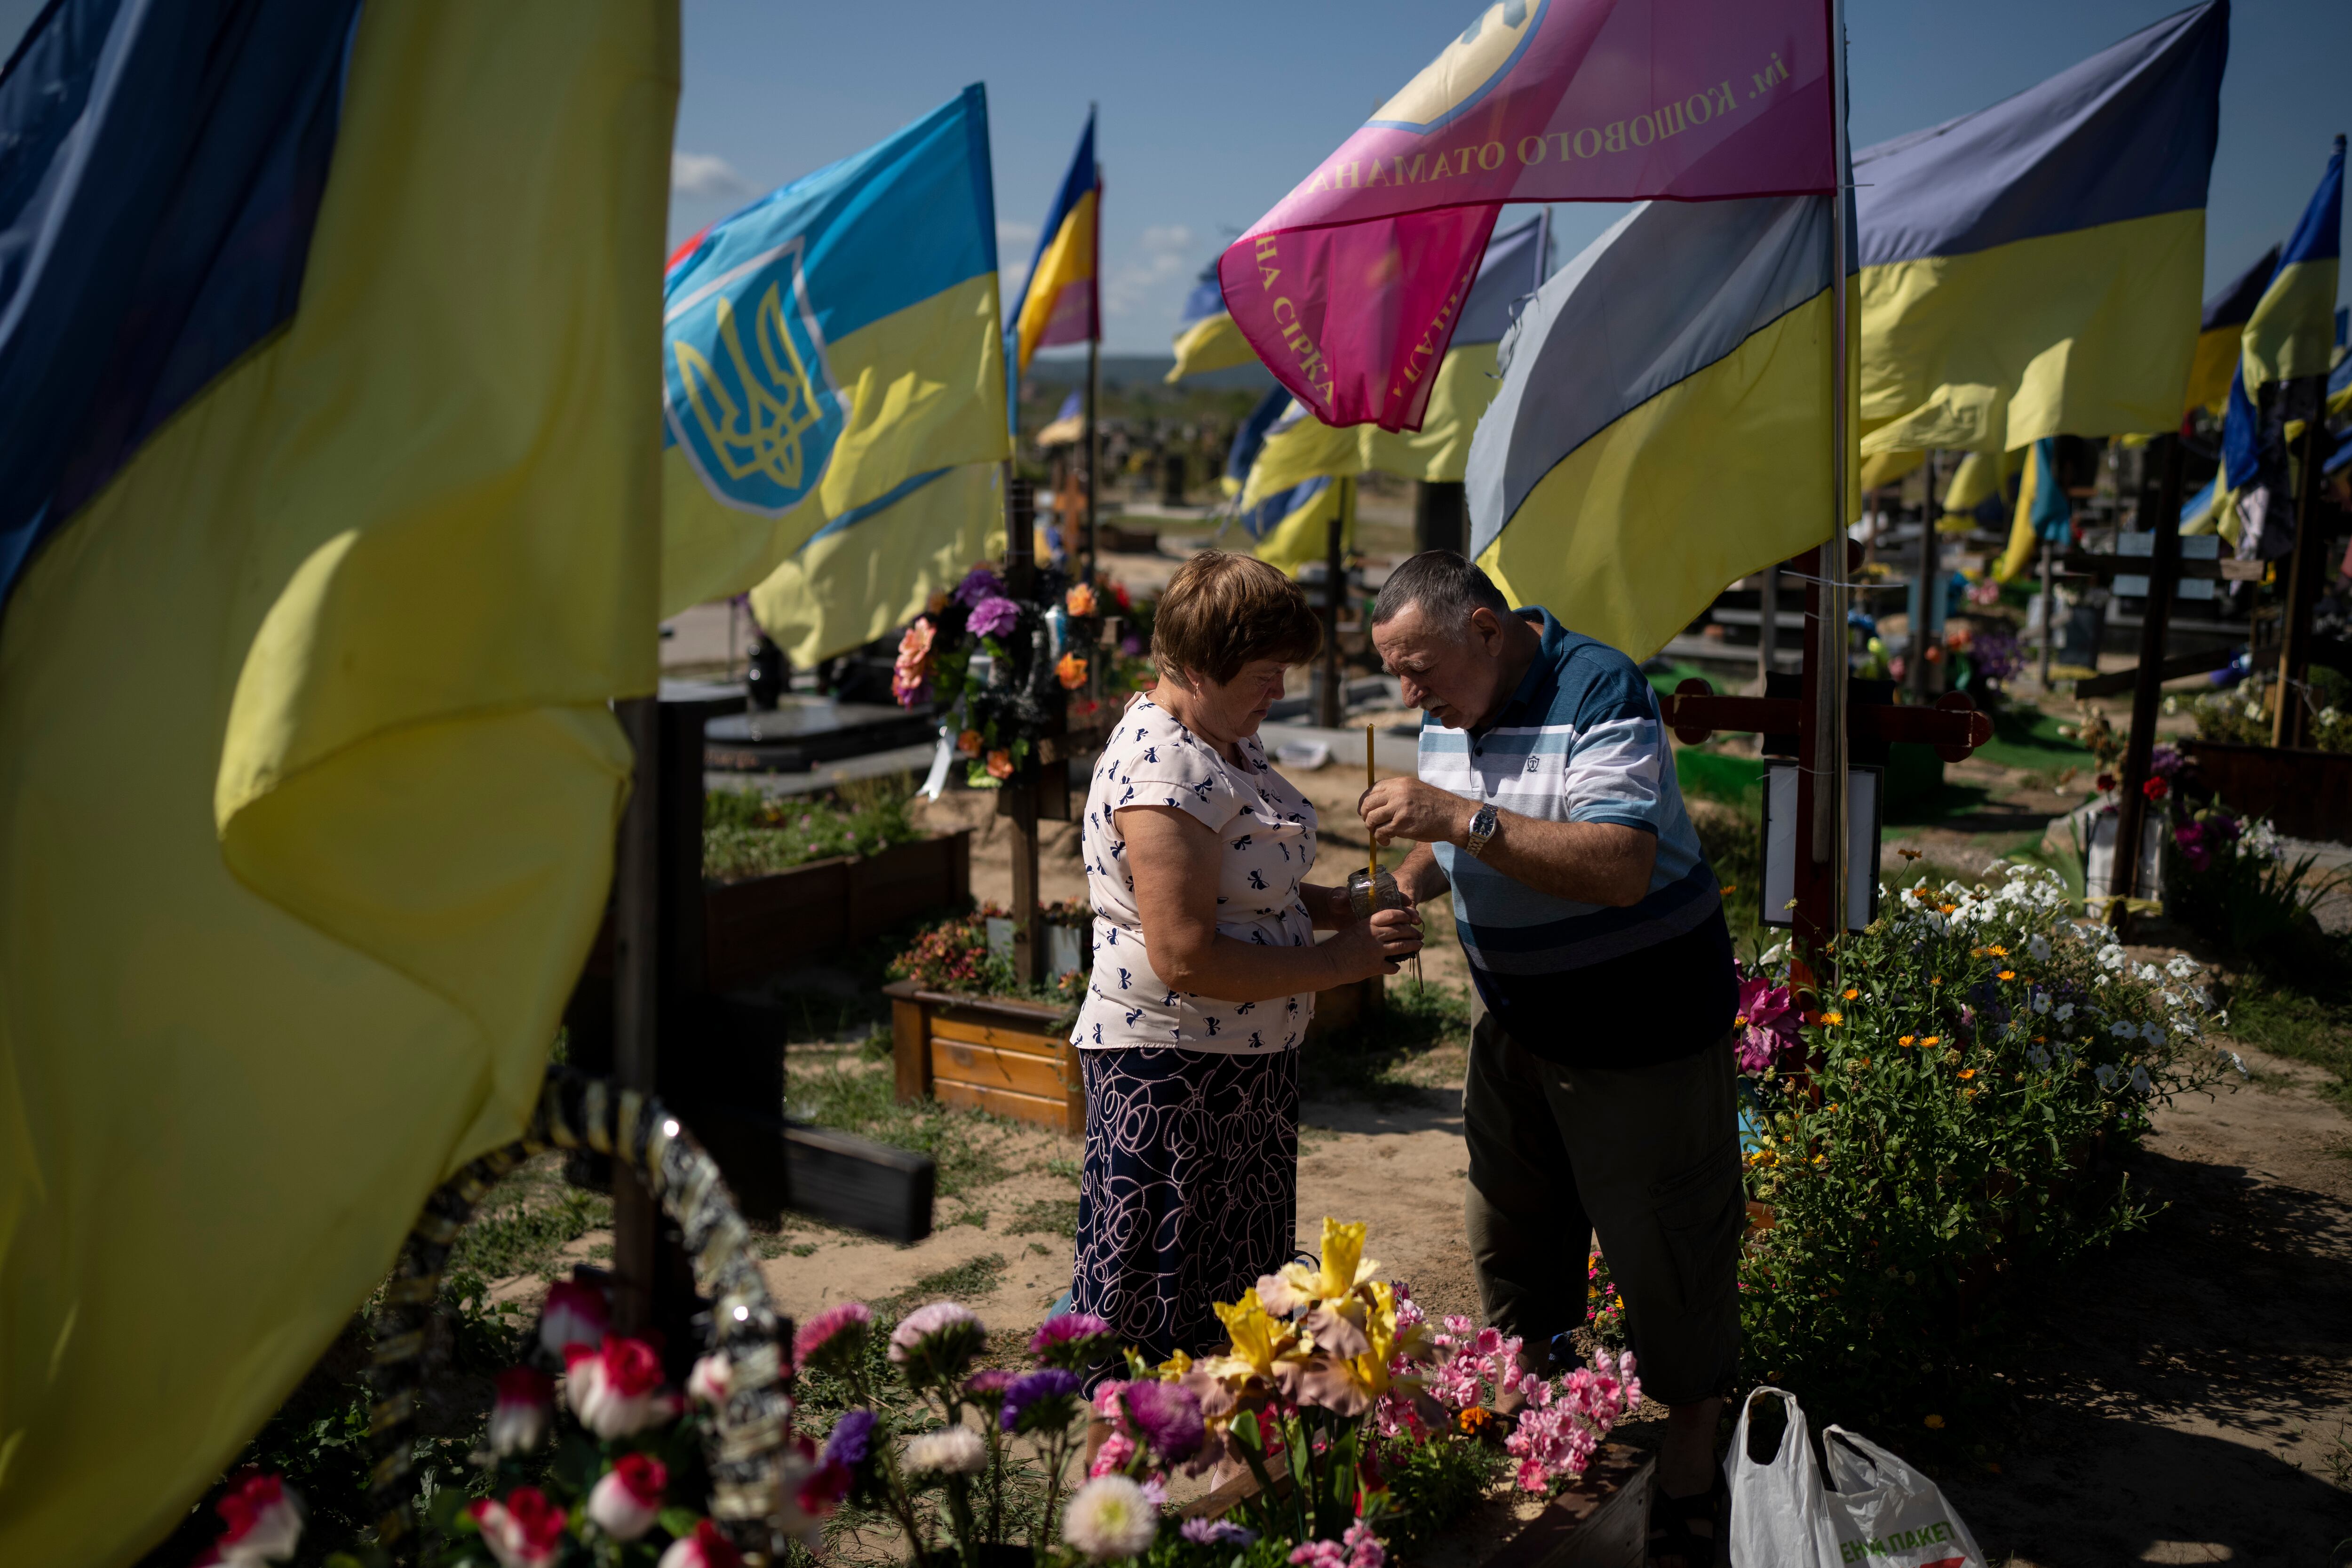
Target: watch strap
pixel 1483 822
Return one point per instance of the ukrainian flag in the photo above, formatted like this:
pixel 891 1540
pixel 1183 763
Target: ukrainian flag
pixel 1512 269
pixel 1664 422
pixel 826 345
pixel 1058 303
pixel 1206 338
pixel 328 533
pixel 2292 332
pixel 1980 488
pixel 2044 516
pixel 2031 270
pixel 2220 330
pixel 876 567
pixel 1289 530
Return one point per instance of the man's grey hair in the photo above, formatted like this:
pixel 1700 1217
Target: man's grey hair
pixel 1446 586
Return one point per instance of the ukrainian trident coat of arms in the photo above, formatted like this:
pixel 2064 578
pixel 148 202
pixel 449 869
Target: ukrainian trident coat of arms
pixel 747 393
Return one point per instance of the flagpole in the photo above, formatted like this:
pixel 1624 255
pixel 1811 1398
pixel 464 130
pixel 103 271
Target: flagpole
pixel 1094 360
pixel 1829 848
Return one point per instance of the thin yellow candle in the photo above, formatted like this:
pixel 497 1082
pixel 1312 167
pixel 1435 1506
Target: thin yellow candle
pixel 1372 844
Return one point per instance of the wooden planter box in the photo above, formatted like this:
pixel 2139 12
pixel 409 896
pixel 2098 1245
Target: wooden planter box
pixel 994 1054
pixel 2306 794
pixel 752 928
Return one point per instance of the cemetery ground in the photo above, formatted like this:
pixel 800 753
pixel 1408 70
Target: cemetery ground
pixel 2185 1396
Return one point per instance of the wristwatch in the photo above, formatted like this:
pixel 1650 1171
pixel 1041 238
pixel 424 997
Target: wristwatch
pixel 1483 822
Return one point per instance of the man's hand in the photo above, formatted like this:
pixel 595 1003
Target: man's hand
pixel 1408 808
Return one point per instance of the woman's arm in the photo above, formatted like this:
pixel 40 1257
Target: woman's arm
pixel 1177 861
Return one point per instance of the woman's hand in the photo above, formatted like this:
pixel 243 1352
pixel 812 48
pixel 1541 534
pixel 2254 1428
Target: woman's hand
pixel 1376 947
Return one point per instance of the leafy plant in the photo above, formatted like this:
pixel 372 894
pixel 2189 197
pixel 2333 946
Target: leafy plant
pixel 748 833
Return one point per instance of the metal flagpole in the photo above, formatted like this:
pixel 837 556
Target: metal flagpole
pixel 1094 366
pixel 1829 758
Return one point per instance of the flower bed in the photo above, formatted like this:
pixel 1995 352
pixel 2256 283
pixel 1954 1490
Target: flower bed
pixel 1941 1129
pixel 746 833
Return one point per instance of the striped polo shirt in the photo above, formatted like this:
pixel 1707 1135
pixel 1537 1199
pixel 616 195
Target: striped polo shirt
pixel 1586 985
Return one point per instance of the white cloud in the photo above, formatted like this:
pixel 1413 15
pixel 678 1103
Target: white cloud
pixel 1151 276
pixel 705 176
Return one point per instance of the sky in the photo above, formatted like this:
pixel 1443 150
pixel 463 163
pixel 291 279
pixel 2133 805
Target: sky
pixel 1211 110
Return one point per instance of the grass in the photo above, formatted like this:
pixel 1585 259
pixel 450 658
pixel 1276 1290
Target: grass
pixel 747 833
pixel 2026 736
pixel 1419 1041
pixel 1045 1216
pixel 2310 1022
pixel 840 1089
pixel 526 1230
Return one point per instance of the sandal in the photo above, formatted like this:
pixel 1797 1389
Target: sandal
pixel 1683 1528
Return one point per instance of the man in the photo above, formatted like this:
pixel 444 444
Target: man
pixel 1600 1092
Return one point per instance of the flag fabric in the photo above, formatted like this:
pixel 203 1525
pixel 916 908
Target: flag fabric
pixel 1350 287
pixel 1304 447
pixel 1249 440
pixel 2033 269
pixel 1664 422
pixel 1206 338
pixel 1980 490
pixel 2292 332
pixel 1058 300
pixel 327 341
pixel 2044 514
pixel 826 344
pixel 875 568
pixel 1069 425
pixel 2221 329
pixel 1289 530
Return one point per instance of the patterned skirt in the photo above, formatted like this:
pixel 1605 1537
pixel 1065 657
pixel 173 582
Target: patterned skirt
pixel 1190 1189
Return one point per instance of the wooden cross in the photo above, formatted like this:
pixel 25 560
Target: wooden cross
pixel 1695 711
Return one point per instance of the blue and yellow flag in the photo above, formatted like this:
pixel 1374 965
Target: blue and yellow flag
pixel 824 346
pixel 2044 515
pixel 2221 329
pixel 329 517
pixel 2292 332
pixel 1664 422
pixel 1058 301
pixel 2032 270
pixel 1206 338
pixel 1303 447
pixel 875 568
pixel 1292 528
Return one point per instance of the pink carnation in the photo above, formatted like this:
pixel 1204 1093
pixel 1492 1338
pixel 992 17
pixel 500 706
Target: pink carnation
pixel 826 1326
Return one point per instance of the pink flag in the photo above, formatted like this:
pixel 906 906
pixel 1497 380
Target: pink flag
pixel 1349 289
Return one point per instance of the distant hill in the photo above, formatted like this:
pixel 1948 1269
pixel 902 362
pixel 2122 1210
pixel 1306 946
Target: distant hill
pixel 1062 369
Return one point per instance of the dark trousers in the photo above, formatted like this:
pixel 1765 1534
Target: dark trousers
pixel 1647 1160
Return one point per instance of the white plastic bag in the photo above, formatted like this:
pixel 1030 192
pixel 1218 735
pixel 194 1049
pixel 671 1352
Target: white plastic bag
pixel 1882 1512
pixel 1779 1517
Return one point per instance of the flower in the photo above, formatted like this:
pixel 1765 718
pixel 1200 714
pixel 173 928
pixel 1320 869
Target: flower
pixel 979 584
pixel 1364 1548
pixel 1215 1533
pixel 616 1390
pixel 1065 1340
pixel 1932 1041
pixel 1933 1423
pixel 937 1340
pixel 1317 1554
pixel 1966 1073
pixel 2009 975
pixel 1111 1517
pixel 852 1439
pixel 1908 1040
pixel 994 617
pixel 1851 992
pixel 526 1531
pixel 2038 949
pixel 712 1381
pixel 263 1517
pixel 910 674
pixel 990 1384
pixel 519 1420
pixel 950 1451
pixel 1832 1019
pixel 2139 1078
pixel 627 1500
pixel 575 1314
pixel 1767 1031
pixel 2106 782
pixel 1168 1417
pixel 969 743
pixel 833 1336
pixel 999 764
pixel 2155 788
pixel 1044 1400
pixel 1080 600
pixel 706 1548
pixel 1071 671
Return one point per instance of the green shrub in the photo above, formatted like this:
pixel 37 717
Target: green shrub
pixel 747 833
pixel 1949 1138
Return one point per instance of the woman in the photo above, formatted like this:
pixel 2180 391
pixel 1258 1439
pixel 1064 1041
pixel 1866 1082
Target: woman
pixel 1205 967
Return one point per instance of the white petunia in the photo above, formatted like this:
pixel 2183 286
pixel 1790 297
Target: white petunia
pixel 2039 1057
pixel 2124 1030
pixel 2148 971
pixel 2111 957
pixel 2182 966
pixel 2066 1011
pixel 2041 1001
pixel 2038 948
pixel 2105 1073
pixel 2139 1080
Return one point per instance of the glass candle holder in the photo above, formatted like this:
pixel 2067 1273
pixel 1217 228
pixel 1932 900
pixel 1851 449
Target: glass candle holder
pixel 1364 896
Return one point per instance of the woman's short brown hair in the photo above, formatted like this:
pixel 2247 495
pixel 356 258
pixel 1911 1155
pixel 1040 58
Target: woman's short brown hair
pixel 1222 610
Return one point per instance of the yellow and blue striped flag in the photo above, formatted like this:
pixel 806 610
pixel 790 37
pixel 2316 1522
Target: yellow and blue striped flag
pixel 1664 422
pixel 1059 300
pixel 1303 447
pixel 2033 269
pixel 826 345
pixel 1206 338
pixel 2292 332
pixel 2221 329
pixel 328 533
pixel 2044 516
pixel 875 568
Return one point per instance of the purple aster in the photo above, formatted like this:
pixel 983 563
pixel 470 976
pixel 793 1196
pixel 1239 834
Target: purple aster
pixel 993 616
pixel 978 584
pixel 853 1434
pixel 1045 1396
pixel 1168 1417
pixel 1065 1328
pixel 987 1386
pixel 1216 1532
